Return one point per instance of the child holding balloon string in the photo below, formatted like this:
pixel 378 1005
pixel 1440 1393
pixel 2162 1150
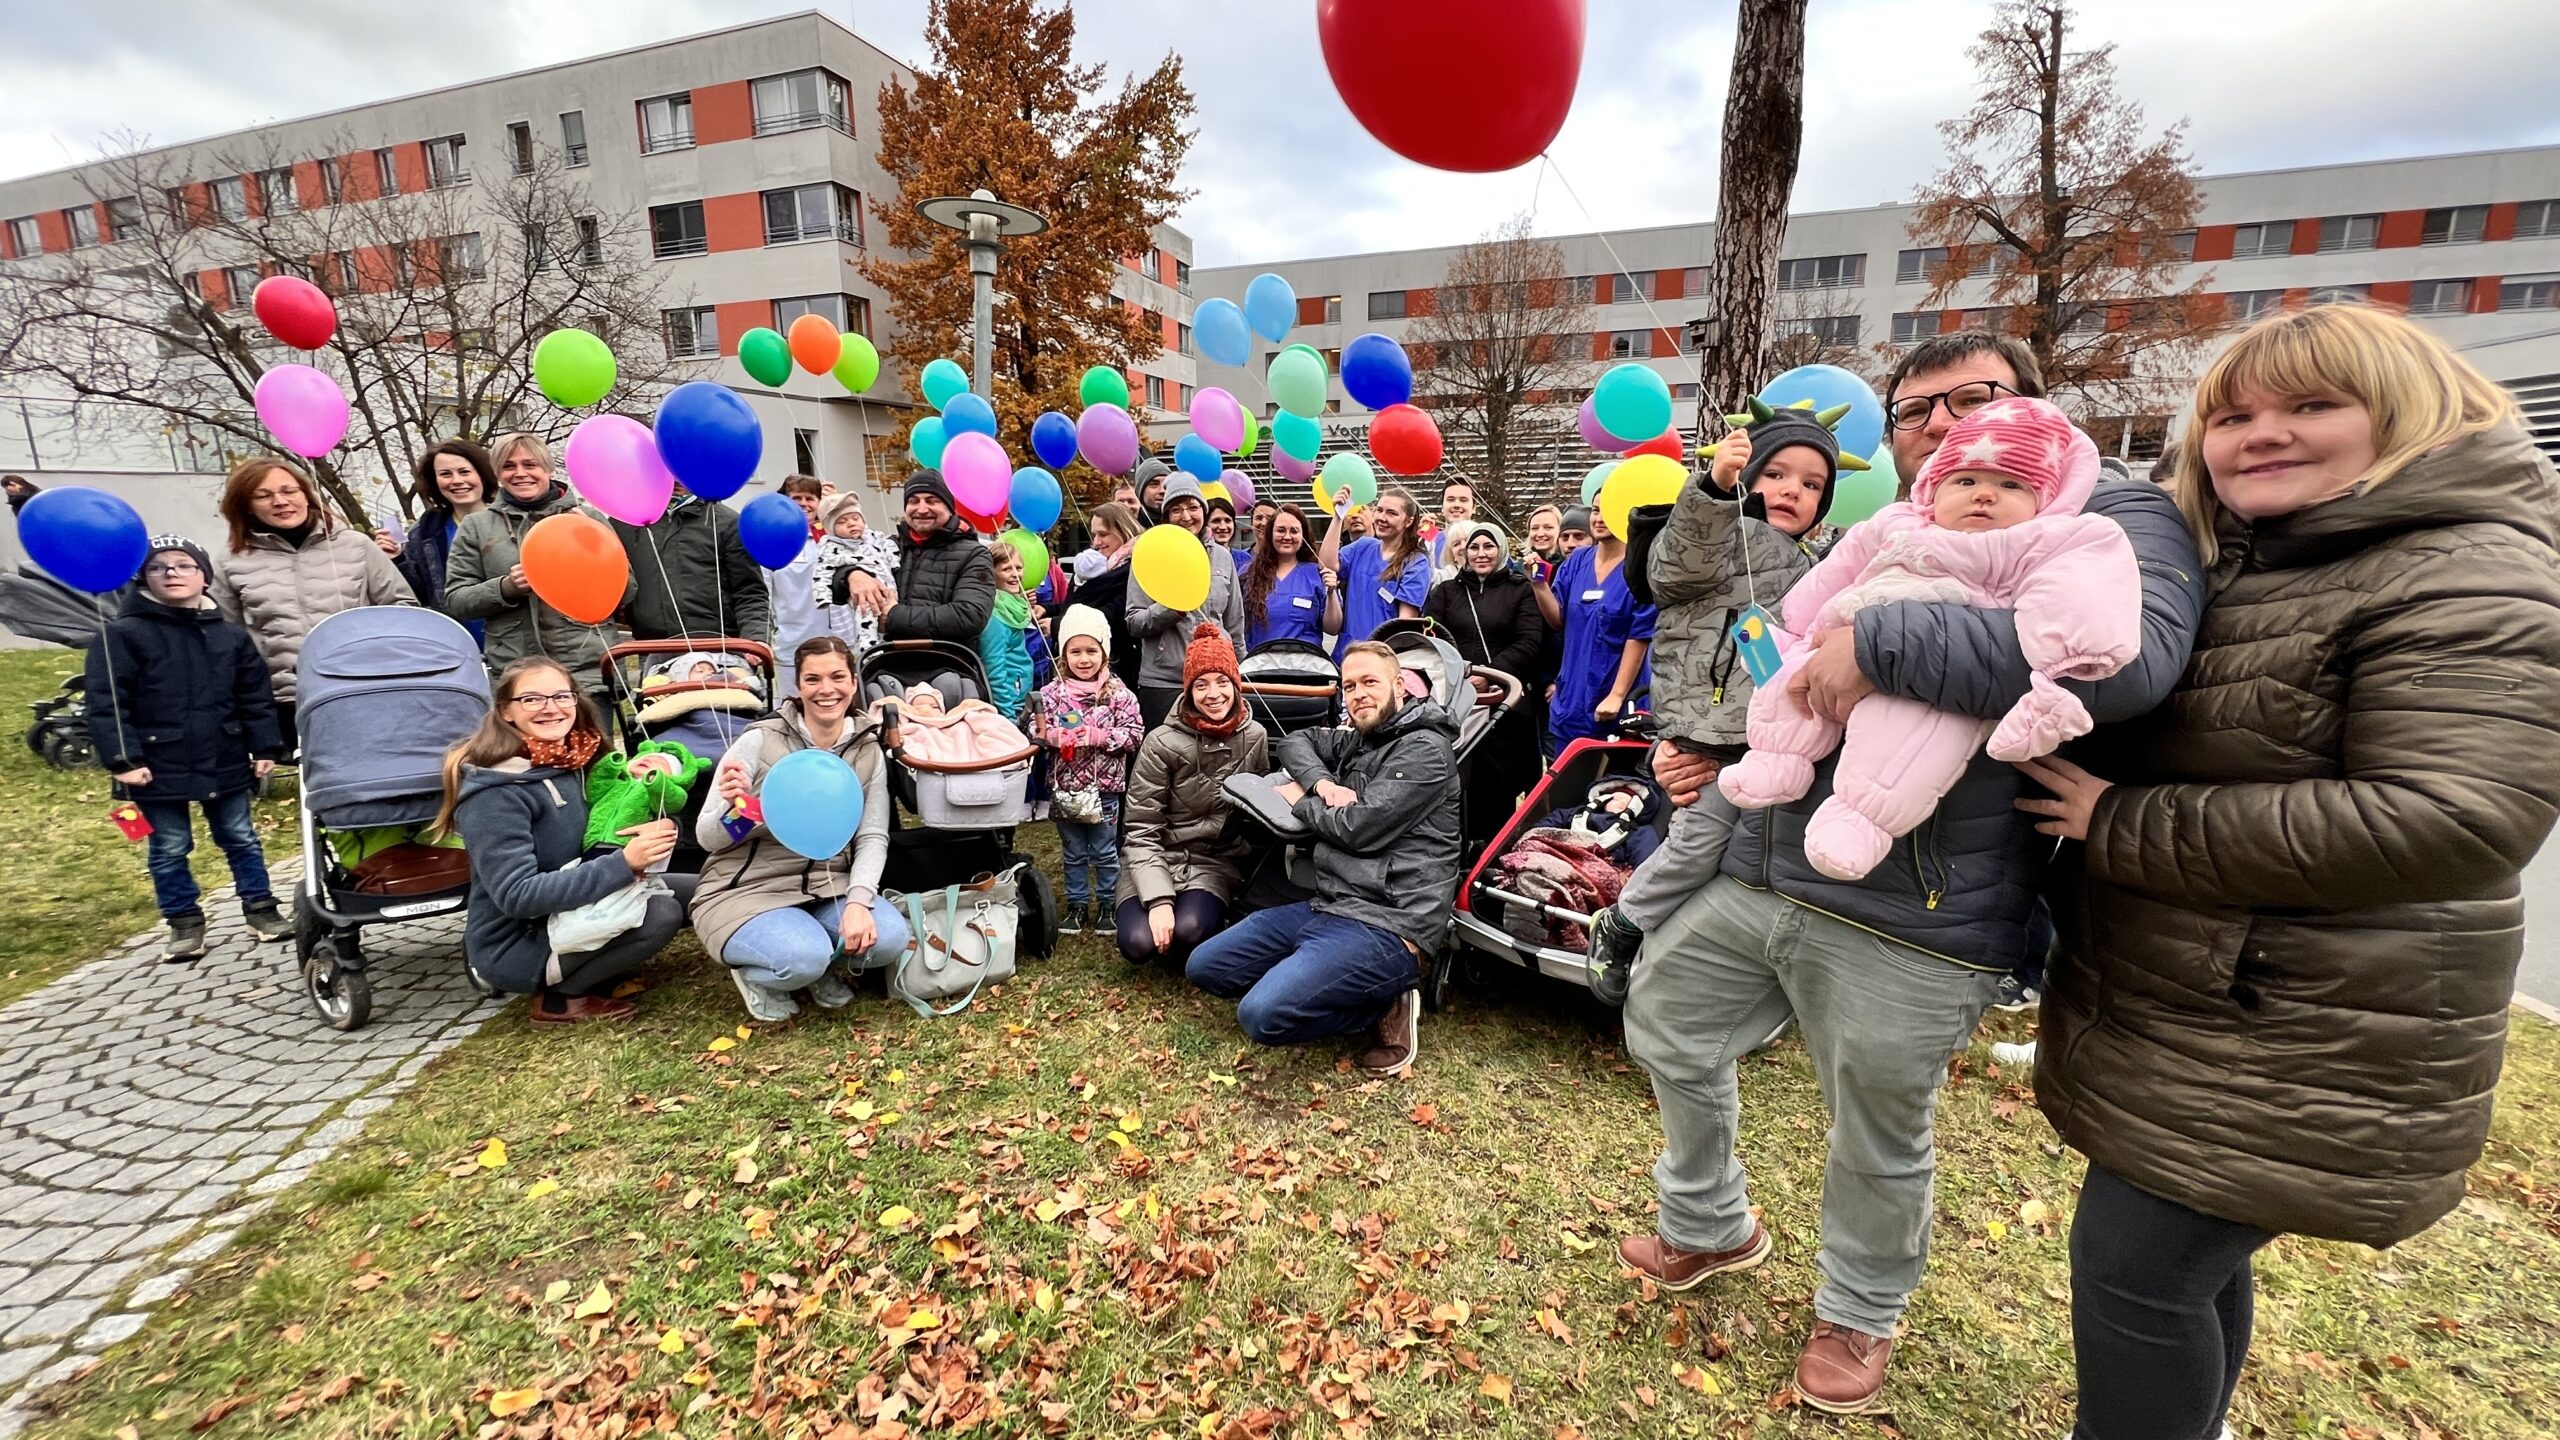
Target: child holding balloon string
pixel 1089 722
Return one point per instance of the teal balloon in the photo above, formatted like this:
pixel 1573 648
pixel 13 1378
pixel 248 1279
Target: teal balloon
pixel 943 379
pixel 1271 307
pixel 1347 471
pixel 1296 436
pixel 1592 482
pixel 812 803
pixel 969 415
pixel 925 442
pixel 1296 382
pixel 1632 402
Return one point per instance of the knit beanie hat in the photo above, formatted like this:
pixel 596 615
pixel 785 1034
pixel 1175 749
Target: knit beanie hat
pixel 929 482
pixel 1576 517
pixel 191 549
pixel 1086 621
pixel 836 506
pixel 1180 486
pixel 2028 440
pixel 1211 653
pixel 1785 428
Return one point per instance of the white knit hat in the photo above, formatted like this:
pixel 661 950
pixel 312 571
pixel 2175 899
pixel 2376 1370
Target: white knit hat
pixel 1087 621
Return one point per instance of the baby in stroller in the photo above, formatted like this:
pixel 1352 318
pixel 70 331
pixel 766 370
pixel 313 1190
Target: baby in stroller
pixel 1578 858
pixel 702 699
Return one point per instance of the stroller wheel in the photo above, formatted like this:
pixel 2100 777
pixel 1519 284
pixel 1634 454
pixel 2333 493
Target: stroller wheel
pixel 36 737
pixel 1039 913
pixel 1439 981
pixel 343 997
pixel 69 750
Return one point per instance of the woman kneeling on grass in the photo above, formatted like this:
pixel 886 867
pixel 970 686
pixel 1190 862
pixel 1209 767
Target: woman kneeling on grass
pixel 516 793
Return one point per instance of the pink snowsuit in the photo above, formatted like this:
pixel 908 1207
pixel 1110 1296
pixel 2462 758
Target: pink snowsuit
pixel 2071 579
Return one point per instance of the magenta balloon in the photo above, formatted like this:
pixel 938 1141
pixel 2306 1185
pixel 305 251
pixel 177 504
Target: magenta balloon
pixel 1107 438
pixel 1588 422
pixel 1290 467
pixel 303 408
pixel 979 474
pixel 1240 486
pixel 613 461
pixel 1218 419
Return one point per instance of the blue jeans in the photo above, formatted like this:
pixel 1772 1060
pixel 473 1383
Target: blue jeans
pixel 789 948
pixel 1095 846
pixel 173 837
pixel 1304 976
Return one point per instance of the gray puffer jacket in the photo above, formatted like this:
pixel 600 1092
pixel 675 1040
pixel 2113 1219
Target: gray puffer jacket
pixel 486 546
pixel 1701 692
pixel 1961 885
pixel 1392 859
pixel 277 591
pixel 1173 819
pixel 1164 636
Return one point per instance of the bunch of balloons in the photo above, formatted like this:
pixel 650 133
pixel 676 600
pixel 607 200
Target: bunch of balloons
pixel 302 407
pixel 767 355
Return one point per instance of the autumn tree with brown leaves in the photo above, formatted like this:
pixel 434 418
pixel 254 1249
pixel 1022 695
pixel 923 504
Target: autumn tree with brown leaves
pixel 999 107
pixel 1507 337
pixel 2087 216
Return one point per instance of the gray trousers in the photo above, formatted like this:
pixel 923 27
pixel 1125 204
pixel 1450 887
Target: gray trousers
pixel 1881 1020
pixel 1691 850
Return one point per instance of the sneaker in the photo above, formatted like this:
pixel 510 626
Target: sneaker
pixel 554 1009
pixel 1399 1037
pixel 829 991
pixel 269 922
pixel 1071 919
pixel 1841 1371
pixel 1614 942
pixel 2005 1053
pixel 186 940
pixel 764 1003
pixel 2016 995
pixel 1675 1269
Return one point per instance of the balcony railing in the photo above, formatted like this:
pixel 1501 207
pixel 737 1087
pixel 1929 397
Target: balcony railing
pixel 847 230
pixel 802 120
pixel 689 245
pixel 577 156
pixel 665 140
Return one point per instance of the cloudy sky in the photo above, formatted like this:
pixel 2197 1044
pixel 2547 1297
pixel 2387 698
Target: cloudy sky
pixel 1282 170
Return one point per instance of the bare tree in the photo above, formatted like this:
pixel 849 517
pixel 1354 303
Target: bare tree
pixel 1812 327
pixel 441 294
pixel 2083 218
pixel 1499 356
pixel 1763 133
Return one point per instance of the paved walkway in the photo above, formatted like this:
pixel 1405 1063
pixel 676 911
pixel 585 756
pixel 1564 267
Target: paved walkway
pixel 148 1111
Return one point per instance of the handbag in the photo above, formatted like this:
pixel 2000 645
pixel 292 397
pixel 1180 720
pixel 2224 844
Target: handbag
pixel 958 938
pixel 1080 806
pixel 598 923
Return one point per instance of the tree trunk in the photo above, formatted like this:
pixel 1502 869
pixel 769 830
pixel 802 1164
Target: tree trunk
pixel 1763 131
pixel 2045 335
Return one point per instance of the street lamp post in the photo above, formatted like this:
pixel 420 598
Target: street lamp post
pixel 987 222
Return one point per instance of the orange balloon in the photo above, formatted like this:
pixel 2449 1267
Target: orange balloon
pixel 815 344
pixel 577 566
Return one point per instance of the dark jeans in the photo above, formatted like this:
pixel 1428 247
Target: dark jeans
pixel 2160 1311
pixel 173 837
pixel 1298 976
pixel 1155 702
pixel 597 971
pixel 1094 847
pixel 1197 914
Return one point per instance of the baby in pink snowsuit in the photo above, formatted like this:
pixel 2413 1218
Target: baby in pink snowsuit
pixel 1994 521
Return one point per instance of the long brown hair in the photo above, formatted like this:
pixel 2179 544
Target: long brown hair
pixel 496 742
pixel 243 481
pixel 1408 542
pixel 432 498
pixel 1264 571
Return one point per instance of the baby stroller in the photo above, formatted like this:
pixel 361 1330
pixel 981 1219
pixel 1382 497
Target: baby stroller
pixel 385 691
pixel 964 810
pixel 1493 917
pixel 42 608
pixel 1291 685
pixel 701 694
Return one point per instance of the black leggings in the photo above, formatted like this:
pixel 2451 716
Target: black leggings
pixel 597 971
pixel 1155 702
pixel 1197 915
pixel 2160 1311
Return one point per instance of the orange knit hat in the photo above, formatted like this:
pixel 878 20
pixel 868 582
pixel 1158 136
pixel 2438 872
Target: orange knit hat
pixel 1211 653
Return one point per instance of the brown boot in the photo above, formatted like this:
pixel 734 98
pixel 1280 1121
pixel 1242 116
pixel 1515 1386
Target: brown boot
pixel 555 1009
pixel 1841 1371
pixel 1399 1037
pixel 1673 1268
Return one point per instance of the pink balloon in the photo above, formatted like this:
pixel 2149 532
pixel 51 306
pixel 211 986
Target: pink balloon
pixel 1588 422
pixel 1240 486
pixel 979 474
pixel 303 408
pixel 1107 438
pixel 1290 467
pixel 613 461
pixel 1218 419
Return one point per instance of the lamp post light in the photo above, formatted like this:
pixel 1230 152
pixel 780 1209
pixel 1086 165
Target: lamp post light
pixel 987 222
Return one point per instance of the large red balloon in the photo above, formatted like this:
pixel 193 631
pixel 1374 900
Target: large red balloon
pixel 1668 445
pixel 294 311
pixel 1455 84
pixel 1405 441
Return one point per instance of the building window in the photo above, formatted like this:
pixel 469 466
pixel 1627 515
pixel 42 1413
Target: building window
pixel 124 218
pixel 241 281
pixel 1913 267
pixel 2349 232
pixel 2083 319
pixel 1181 273
pixel 2184 243
pixel 2340 294
pixel 2272 237
pixel 573 136
pixel 230 197
pixel 812 212
pixel 800 100
pixel 1386 305
pixel 692 334
pixel 666 123
pixel 276 192
pixel 677 230
pixel 590 241
pixel 2453 225
pixel 462 257
pixel 333 183
pixel 2440 297
pixel 850 314
pixel 444 163
pixel 537 246
pixel 1827 330
pixel 1693 282
pixel 83 220
pixel 1822 272
pixel 386 170
pixel 2247 305
pixel 24 237
pixel 1155 392
pixel 1912 326
pixel 1181 339
pixel 2537 219
pixel 520 148
pixel 182 212
pixel 1626 344
pixel 2528 292
pixel 804 451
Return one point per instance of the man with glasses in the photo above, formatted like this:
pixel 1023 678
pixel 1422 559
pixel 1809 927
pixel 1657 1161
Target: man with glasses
pixel 1888 975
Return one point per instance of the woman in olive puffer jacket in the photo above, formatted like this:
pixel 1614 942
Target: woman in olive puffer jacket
pixel 2291 939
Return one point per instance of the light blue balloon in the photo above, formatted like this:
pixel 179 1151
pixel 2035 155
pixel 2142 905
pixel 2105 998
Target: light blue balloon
pixel 1297 437
pixel 925 442
pixel 1198 459
pixel 969 414
pixel 812 803
pixel 1271 307
pixel 941 380
pixel 1632 402
pixel 1861 431
pixel 1219 329
pixel 1592 482
pixel 1036 501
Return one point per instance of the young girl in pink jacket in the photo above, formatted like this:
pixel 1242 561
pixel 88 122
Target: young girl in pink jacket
pixel 1994 521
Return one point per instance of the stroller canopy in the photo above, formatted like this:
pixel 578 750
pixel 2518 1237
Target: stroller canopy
pixel 385 691
pixel 42 608
pixel 1440 669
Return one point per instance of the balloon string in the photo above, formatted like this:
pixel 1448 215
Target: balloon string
pixel 107 648
pixel 1614 256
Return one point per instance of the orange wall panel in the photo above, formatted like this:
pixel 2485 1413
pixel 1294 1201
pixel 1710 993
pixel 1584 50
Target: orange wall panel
pixel 736 317
pixel 1604 289
pixel 2400 229
pixel 2306 235
pixel 1667 283
pixel 215 287
pixel 1599 344
pixel 723 112
pixel 2389 292
pixel 2213 242
pixel 54 231
pixel 358 178
pixel 2501 224
pixel 306 185
pixel 1311 309
pixel 2484 291
pixel 733 222
pixel 409 162
pixel 1420 302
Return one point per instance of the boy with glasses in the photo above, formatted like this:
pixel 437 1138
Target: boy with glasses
pixel 181 710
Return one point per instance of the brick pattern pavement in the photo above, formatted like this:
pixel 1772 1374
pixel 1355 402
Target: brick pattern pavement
pixel 148 1111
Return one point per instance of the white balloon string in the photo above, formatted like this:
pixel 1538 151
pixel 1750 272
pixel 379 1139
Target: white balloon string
pixel 1607 245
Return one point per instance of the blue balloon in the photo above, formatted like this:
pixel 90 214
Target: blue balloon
pixel 1219 329
pixel 87 539
pixel 941 380
pixel 709 438
pixel 925 442
pixel 1036 501
pixel 812 801
pixel 1376 373
pixel 1198 459
pixel 1053 439
pixel 1861 431
pixel 1632 402
pixel 774 529
pixel 1270 306
pixel 969 414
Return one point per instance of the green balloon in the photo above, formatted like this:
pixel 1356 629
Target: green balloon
pixel 766 355
pixel 1103 385
pixel 1862 493
pixel 1034 553
pixel 1303 345
pixel 1296 381
pixel 1297 437
pixel 1347 471
pixel 573 368
pixel 1252 437
pixel 858 366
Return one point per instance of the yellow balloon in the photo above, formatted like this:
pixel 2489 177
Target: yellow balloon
pixel 1216 490
pixel 1645 480
pixel 1171 568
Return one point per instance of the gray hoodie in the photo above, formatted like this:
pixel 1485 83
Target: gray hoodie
pixel 1164 636
pixel 1392 859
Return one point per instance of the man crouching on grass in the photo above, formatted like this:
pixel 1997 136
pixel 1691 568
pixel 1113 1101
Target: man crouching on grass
pixel 1381 799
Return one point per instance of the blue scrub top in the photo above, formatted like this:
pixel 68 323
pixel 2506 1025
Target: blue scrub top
pixel 1295 610
pixel 1369 596
pixel 1600 617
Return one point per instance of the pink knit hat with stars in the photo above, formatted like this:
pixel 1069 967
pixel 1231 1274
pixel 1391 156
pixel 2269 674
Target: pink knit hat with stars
pixel 2030 440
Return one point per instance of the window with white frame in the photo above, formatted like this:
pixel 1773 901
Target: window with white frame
pixel 850 314
pixel 230 198
pixel 83 220
pixel 124 217
pixel 2272 237
pixel 590 241
pixel 666 123
pixel 573 137
pixel 242 281
pixel 800 100
pixel 1181 273
pixel 2083 319
pixel 677 229
pixel 2349 232
pixel 276 191
pixel 462 257
pixel 1821 272
pixel 2537 219
pixel 2453 225
pixel 2528 292
pixel 1912 326
pixel 1181 339
pixel 2183 242
pixel 1155 392
pixel 1827 330
pixel 804 451
pixel 1693 282
pixel 333 183
pixel 1386 305
pixel 2440 297
pixel 1914 266
pixel 25 237
pixel 386 170
pixel 2339 294
pixel 1630 344
pixel 812 212
pixel 693 333
pixel 2246 305
pixel 444 163
pixel 537 245
pixel 520 148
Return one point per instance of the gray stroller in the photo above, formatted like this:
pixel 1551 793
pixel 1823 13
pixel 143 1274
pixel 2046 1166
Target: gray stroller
pixel 42 608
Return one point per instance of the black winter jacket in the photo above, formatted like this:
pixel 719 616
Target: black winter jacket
pixel 184 692
pixel 946 587
pixel 425 555
pixel 1493 620
pixel 1392 859
pixel 722 596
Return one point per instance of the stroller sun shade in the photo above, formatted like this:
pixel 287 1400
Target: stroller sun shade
pixel 383 692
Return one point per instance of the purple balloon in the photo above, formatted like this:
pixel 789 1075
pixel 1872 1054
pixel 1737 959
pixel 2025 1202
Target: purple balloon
pixel 1108 439
pixel 1239 485
pixel 303 408
pixel 1588 422
pixel 614 462
pixel 980 476
pixel 1290 467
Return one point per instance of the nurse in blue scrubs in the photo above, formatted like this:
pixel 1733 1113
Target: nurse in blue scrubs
pixel 1384 575
pixel 1607 636
pixel 1284 594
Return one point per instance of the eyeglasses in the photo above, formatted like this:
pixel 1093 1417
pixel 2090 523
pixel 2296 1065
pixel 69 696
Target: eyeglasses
pixel 1912 411
pixel 556 700
pixel 269 497
pixel 174 567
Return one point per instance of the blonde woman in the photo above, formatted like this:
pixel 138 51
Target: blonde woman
pixel 484 577
pixel 2291 932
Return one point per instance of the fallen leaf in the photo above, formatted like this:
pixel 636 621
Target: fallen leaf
pixel 1697 1378
pixel 540 1188
pixel 1496 1387
pixel 2035 1212
pixel 862 1110
pixel 745 1033
pixel 897 1217
pixel 745 1174
pixel 1574 1242
pixel 1996 1230
pixel 337 1389
pixel 895 1076
pixel 671 1343
pixel 1044 1299
pixel 513 1402
pixel 127 1432
pixel 493 1156
pixel 923 1319
pixel 599 1301
pixel 213 1413
pixel 724 1042
pixel 1130 1122
pixel 1425 1113
pixel 555 1292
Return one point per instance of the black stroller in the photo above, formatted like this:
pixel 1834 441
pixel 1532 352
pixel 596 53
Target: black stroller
pixel 652 689
pixel 1290 685
pixel 42 608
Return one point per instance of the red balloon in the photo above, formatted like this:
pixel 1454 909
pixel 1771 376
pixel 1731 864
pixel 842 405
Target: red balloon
pixel 1668 445
pixel 1405 440
pixel 1456 84
pixel 294 311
